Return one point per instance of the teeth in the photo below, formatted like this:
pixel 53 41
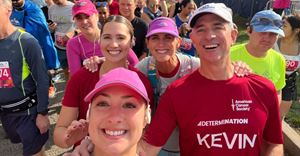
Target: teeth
pixel 210 46
pixel 114 133
pixel 114 52
pixel 161 51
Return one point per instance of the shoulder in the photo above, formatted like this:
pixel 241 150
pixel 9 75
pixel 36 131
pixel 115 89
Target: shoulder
pixel 260 84
pixel 236 48
pixel 275 54
pixel 140 22
pixel 27 38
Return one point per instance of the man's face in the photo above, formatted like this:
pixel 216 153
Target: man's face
pixel 17 3
pixel 261 41
pixel 127 7
pixel 188 9
pixel 212 37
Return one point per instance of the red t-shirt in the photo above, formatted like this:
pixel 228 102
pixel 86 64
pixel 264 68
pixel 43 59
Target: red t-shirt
pixel 114 8
pixel 83 81
pixel 228 117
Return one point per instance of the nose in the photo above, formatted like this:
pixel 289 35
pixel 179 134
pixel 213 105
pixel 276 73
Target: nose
pixel 114 43
pixel 115 116
pixel 210 35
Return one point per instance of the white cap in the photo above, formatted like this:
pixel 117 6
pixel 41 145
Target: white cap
pixel 219 9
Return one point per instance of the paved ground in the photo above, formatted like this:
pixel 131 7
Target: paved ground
pixel 9 149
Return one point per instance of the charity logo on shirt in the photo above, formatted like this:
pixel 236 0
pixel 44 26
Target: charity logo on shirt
pixel 291 65
pixel 241 105
pixel 6 80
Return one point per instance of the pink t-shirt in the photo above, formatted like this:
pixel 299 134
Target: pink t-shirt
pixel 79 49
pixel 228 117
pixel 281 4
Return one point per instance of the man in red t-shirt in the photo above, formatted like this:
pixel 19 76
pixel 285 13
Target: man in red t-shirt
pixel 217 112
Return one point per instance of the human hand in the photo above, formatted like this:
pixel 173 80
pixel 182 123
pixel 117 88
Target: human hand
pixel 91 63
pixel 52 26
pixel 84 149
pixel 241 69
pixel 43 123
pixel 76 131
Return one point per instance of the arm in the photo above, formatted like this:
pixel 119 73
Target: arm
pixel 164 8
pixel 172 10
pixel 279 96
pixel 270 149
pixel 67 131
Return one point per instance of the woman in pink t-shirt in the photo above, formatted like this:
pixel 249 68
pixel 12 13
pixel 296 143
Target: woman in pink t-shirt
pixel 86 44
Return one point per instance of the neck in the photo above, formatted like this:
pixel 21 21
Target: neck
pixel 108 65
pixel 217 71
pixel 167 66
pixel 130 152
pixel 95 36
pixel 6 30
pixel 290 39
pixel 255 51
pixel 183 17
pixel 131 17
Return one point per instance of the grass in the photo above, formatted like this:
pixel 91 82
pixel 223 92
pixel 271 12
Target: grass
pixel 293 117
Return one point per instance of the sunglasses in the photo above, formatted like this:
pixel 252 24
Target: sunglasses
pixel 99 4
pixel 267 22
pixel 79 4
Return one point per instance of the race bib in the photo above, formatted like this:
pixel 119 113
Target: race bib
pixel 6 80
pixel 59 39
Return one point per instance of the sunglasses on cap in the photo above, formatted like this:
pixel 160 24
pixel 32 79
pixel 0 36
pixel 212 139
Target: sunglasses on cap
pixel 79 4
pixel 99 4
pixel 267 22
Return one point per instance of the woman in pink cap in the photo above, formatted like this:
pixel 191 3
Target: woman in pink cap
pixel 86 44
pixel 118 113
pixel 116 42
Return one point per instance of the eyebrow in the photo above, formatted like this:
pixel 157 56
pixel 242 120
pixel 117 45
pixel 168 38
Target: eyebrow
pixel 123 97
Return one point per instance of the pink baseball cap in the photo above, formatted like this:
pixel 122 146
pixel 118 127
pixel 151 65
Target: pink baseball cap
pixel 83 7
pixel 119 76
pixel 162 25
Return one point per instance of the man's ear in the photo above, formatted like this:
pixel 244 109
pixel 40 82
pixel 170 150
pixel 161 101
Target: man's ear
pixel 234 35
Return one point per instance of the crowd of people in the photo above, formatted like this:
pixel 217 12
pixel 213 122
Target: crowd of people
pixel 127 61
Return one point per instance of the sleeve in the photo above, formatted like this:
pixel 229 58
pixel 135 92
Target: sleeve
pixel 35 23
pixel 73 55
pixel 163 123
pixel 273 127
pixel 72 91
pixel 132 58
pixel 36 63
pixel 281 81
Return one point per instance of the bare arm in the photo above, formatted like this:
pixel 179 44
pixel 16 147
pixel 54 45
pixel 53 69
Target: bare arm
pixel 270 149
pixel 164 8
pixel 172 10
pixel 279 96
pixel 66 116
